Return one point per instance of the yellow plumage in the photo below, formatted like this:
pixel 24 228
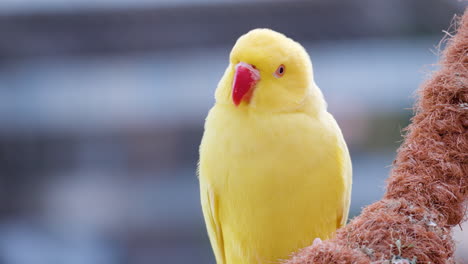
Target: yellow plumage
pixel 274 171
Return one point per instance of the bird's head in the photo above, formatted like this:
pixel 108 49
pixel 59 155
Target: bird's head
pixel 267 71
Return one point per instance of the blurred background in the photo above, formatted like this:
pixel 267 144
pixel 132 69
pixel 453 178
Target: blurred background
pixel 102 105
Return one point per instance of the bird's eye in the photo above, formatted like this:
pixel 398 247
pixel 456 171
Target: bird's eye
pixel 280 71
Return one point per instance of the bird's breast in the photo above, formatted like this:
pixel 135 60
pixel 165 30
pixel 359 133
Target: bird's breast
pixel 256 146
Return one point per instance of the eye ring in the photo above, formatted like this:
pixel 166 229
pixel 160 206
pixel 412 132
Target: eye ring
pixel 280 71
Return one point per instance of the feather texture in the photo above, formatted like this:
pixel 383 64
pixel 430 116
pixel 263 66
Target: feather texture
pixel 274 173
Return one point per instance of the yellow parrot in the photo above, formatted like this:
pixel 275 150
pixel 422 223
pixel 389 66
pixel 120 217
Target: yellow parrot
pixel 274 169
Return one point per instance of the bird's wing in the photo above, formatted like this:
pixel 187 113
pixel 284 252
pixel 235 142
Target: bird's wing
pixel 346 168
pixel 210 211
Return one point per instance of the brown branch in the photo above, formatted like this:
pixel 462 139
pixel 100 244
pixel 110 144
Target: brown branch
pixel 428 183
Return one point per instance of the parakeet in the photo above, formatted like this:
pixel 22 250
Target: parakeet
pixel 274 169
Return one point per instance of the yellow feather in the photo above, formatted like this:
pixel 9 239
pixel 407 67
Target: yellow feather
pixel 274 173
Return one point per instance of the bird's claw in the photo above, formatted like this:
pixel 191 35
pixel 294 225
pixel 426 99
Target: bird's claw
pixel 317 241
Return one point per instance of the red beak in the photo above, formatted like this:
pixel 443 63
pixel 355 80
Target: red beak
pixel 245 78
